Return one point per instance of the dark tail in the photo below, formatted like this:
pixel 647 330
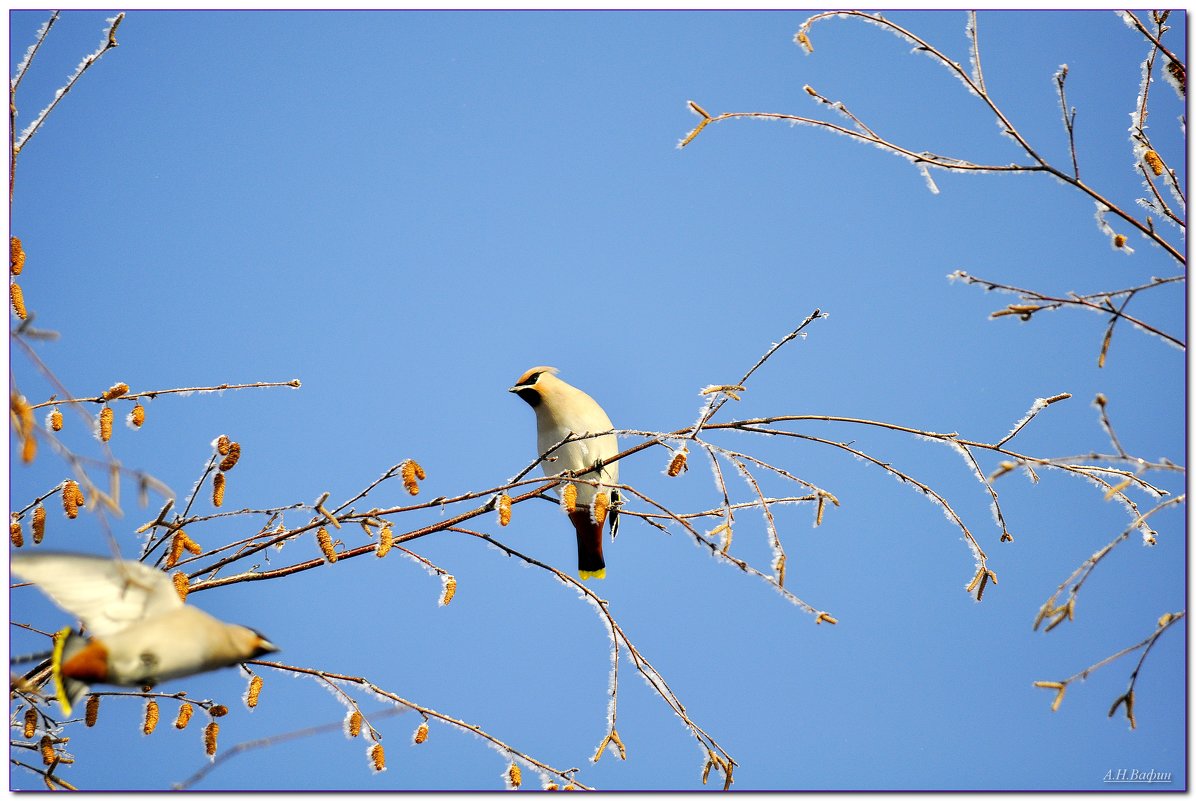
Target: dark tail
pixel 68 691
pixel 590 563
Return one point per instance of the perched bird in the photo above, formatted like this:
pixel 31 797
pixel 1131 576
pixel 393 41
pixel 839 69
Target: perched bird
pixel 140 632
pixel 562 410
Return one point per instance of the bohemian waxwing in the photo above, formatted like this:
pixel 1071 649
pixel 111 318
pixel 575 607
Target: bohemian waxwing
pixel 562 409
pixel 140 631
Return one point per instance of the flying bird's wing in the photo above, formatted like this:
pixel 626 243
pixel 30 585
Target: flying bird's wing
pixel 107 595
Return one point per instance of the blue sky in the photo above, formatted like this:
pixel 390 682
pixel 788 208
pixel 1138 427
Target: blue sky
pixel 406 210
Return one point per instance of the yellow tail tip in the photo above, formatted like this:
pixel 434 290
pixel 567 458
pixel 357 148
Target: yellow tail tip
pixel 56 669
pixel 586 575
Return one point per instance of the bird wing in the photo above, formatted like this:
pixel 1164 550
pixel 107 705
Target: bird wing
pixel 107 595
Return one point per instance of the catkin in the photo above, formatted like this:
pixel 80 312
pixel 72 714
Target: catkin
pixel 15 535
pixel 450 589
pixel 137 416
pixel 92 712
pixel 16 256
pixel 70 499
pixel 56 419
pixel 105 424
pixel 18 300
pixel 30 723
pixel 218 711
pixel 151 717
pixel 386 541
pixel 421 734
pixel 176 549
pixel 1153 161
pixel 46 746
pixel 230 461
pixel 1119 241
pixel 514 775
pixel 222 445
pixel 1180 74
pixel 191 545
pixel 181 585
pixel 218 489
pixel 255 690
pixel 504 509
pixel 39 524
pixel 210 733
pixel 353 724
pixel 412 472
pixel 378 757
pixel 325 541
pixel 569 498
pixel 677 464
pixel 115 391
pixel 185 713
pixel 601 504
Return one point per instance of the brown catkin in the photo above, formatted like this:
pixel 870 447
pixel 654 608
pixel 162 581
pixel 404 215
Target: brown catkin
pixel 421 734
pixel 181 585
pixel 210 733
pixel 255 690
pixel 105 424
pixel 1119 241
pixel 137 416
pixel 1180 74
pixel 450 589
pixel 569 498
pixel 30 723
pixel 151 717
pixel 18 300
pixel 230 461
pixel 16 256
pixel 222 445
pixel 514 775
pixel 353 725
pixel 70 499
pixel 56 419
pixel 185 713
pixel 39 524
pixel 115 391
pixel 325 541
pixel 378 757
pixel 218 489
pixel 218 711
pixel 92 712
pixel 46 746
pixel 677 464
pixel 386 541
pixel 15 535
pixel 504 509
pixel 411 472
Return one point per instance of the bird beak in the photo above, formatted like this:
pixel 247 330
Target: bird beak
pixel 514 389
pixel 264 646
